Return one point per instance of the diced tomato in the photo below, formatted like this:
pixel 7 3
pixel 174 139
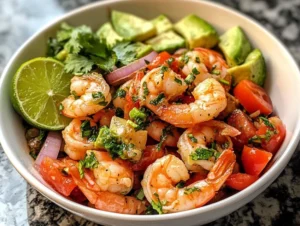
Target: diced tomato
pixel 240 121
pixel 253 98
pixel 273 143
pixel 255 160
pixel 240 181
pixel 195 177
pixel 159 60
pixel 149 156
pixel 52 173
pixel 77 195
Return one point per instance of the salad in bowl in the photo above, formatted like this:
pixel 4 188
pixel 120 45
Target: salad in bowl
pixel 148 116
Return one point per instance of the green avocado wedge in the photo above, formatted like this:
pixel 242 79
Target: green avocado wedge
pixel 168 41
pixel 131 27
pixel 254 69
pixel 197 32
pixel 37 90
pixel 162 24
pixel 107 34
pixel 235 46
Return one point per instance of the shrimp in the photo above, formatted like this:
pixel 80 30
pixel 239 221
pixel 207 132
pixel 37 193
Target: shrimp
pixel 90 94
pixel 112 175
pixel 104 200
pixel 198 137
pixel 162 131
pixel 208 63
pixel 162 87
pixel 160 179
pixel 76 145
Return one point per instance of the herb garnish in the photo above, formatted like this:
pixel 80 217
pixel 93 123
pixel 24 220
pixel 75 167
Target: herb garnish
pixel 140 195
pixel 99 98
pixel 119 113
pixel 267 122
pixel 157 205
pixel 120 93
pixel 223 81
pixel 188 191
pixel 180 184
pixel 90 162
pixel 195 71
pixel 204 154
pixel 165 132
pixel 178 80
pixel 88 131
pixel 163 69
pixel 158 99
pixel 197 59
pixel 145 90
pixel 192 138
pixel 170 61
pixel 189 79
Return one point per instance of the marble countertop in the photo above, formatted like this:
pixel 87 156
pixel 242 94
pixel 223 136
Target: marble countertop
pixel 21 205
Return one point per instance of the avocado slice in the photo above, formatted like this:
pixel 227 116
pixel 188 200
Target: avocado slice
pixel 131 27
pixel 253 69
pixel 142 49
pixel 108 34
pixel 197 32
pixel 162 24
pixel 168 41
pixel 235 46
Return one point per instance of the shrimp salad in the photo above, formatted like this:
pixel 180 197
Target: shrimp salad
pixel 161 117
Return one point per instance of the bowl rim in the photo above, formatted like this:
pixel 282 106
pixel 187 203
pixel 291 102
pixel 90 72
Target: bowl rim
pixel 74 207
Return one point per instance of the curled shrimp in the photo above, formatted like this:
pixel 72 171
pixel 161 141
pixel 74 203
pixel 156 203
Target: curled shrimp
pixel 90 94
pixel 104 200
pixel 208 63
pixel 198 137
pixel 160 179
pixel 75 144
pixel 112 175
pixel 163 86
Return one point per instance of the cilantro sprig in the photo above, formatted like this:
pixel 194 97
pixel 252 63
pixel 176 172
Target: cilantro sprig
pixel 89 162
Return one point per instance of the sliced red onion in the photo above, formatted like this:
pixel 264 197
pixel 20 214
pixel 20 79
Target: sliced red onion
pixel 181 51
pixel 50 148
pixel 125 73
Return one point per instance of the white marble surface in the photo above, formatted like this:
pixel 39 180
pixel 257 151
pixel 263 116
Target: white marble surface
pixel 278 205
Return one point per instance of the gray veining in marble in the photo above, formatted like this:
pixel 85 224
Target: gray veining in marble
pixel 278 205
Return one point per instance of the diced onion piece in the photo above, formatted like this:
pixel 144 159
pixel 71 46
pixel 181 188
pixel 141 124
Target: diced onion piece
pixel 125 73
pixel 50 148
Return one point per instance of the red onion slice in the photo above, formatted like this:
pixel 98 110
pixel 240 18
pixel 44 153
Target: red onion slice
pixel 125 73
pixel 50 148
pixel 180 51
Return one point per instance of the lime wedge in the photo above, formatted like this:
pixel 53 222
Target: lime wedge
pixel 38 88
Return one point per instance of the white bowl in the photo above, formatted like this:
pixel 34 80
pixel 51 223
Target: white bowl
pixel 283 85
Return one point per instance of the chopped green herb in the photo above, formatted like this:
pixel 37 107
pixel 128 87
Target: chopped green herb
pixel 197 59
pixel 119 113
pixel 189 79
pixel 180 184
pixel 178 80
pixel 158 99
pixel 223 81
pixel 137 114
pixel 163 69
pixel 170 61
pixel 132 124
pixel 88 131
pixel 269 135
pixel 188 191
pixel 100 98
pixel 75 95
pixel 120 93
pixel 61 107
pixel 140 117
pixel 150 211
pixel 195 71
pixel 140 195
pixel 267 122
pixel 165 132
pixel 90 162
pixel 157 205
pixel 192 138
pixel 33 154
pixel 145 90
pixel 215 72
pixel 225 145
pixel 185 59
pixel 203 154
pixel 213 145
pixel 42 135
pixel 255 139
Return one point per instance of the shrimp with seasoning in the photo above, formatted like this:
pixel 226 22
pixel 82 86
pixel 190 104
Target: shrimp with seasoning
pixel 99 195
pixel 90 94
pixel 76 145
pixel 193 144
pixel 164 85
pixel 160 179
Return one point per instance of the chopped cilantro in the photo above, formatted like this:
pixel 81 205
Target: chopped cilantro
pixel 185 59
pixel 61 107
pixel 188 191
pixel 267 122
pixel 165 132
pixel 120 93
pixel 170 61
pixel 195 71
pixel 215 72
pixel 54 47
pixel 203 154
pixel 197 59
pixel 178 80
pixel 223 81
pixel 180 184
pixel 90 162
pixel 192 138
pixel 132 124
pixel 88 131
pixel 158 99
pixel 145 90
pixel 126 52
pixel 163 69
pixel 78 65
pixel 157 205
pixel 100 98
pixel 33 154
pixel 140 117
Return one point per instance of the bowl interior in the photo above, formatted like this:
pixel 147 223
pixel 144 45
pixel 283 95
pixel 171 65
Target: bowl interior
pixel 282 85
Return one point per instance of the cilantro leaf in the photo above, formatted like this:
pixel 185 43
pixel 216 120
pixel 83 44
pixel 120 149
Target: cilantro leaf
pixel 126 52
pixel 78 65
pixel 188 191
pixel 157 205
pixel 64 33
pixel 203 154
pixel 90 162
pixel 54 47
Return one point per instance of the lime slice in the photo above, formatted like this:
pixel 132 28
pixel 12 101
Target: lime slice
pixel 38 88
